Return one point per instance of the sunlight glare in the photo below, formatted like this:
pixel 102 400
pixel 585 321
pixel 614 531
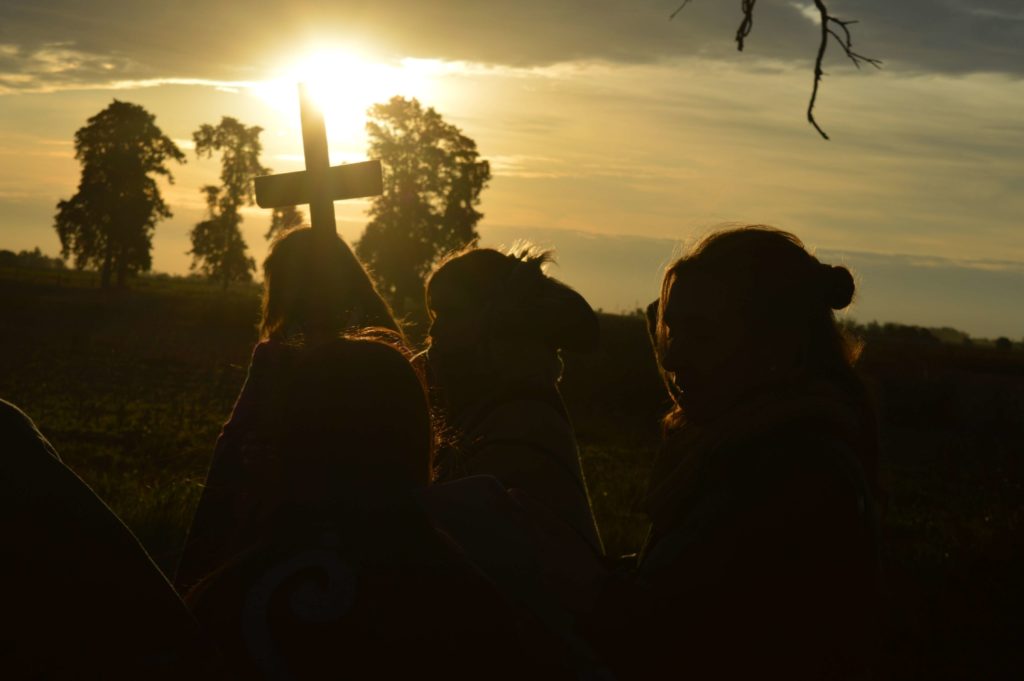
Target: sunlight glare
pixel 345 84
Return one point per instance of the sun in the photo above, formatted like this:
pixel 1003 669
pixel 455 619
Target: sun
pixel 344 83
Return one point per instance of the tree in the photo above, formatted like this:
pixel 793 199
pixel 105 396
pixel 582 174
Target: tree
pixel 108 224
pixel 283 219
pixel 218 249
pixel 432 184
pixel 221 242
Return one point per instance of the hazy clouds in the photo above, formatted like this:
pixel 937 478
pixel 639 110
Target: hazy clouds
pixel 601 119
pixel 69 43
pixel 969 294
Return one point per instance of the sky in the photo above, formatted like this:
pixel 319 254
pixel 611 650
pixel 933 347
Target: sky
pixel 616 135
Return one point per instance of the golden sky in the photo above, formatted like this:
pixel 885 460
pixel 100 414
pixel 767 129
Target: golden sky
pixel 614 134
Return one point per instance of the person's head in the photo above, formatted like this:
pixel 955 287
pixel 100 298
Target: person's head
pixel 312 283
pixel 356 424
pixel 745 309
pixel 503 308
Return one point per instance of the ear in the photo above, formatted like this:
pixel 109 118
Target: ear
pixel 566 318
pixel 652 320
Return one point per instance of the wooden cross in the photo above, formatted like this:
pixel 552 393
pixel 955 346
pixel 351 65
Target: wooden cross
pixel 320 184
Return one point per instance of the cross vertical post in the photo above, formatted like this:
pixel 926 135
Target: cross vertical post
pixel 319 185
pixel 314 143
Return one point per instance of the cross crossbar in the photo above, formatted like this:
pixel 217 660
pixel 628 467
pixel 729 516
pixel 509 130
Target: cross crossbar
pixel 349 181
pixel 320 184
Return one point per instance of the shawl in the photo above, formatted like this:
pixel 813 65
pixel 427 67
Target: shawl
pixel 694 456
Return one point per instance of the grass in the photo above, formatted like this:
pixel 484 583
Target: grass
pixel 132 388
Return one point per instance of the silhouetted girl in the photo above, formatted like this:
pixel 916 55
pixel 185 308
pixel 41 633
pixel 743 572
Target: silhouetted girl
pixel 313 290
pixel 761 555
pixel 498 323
pixel 349 578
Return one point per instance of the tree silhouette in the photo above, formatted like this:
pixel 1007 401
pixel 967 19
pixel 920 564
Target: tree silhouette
pixel 283 219
pixel 109 222
pixel 432 184
pixel 221 242
pixel 218 249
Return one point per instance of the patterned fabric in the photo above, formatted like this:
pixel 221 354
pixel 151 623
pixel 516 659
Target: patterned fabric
pixel 382 595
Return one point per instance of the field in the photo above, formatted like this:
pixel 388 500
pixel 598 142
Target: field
pixel 132 387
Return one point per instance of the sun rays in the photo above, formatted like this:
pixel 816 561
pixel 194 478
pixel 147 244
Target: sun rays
pixel 345 83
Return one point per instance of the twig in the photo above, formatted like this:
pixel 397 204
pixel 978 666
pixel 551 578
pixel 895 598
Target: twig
pixel 747 24
pixel 846 42
pixel 839 29
pixel 678 10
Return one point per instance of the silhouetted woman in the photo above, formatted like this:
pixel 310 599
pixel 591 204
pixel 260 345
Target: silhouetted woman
pixel 760 560
pixel 313 290
pixel 498 326
pixel 349 578
pixel 498 323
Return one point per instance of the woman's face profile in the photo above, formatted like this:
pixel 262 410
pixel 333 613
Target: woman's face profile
pixel 703 336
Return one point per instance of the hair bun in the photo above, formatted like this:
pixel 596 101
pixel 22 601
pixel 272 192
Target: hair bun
pixel 838 285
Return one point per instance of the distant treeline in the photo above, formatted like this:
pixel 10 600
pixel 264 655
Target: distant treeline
pixel 33 260
pixel 903 333
pixel 872 331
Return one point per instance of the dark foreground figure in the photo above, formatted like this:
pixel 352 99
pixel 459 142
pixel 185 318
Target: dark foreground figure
pixel 81 599
pixel 312 292
pixel 498 323
pixel 349 577
pixel 761 558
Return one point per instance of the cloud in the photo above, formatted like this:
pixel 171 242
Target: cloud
pixel 977 296
pixel 53 64
pixel 928 262
pixel 808 10
pixel 54 67
pixel 65 43
pixel 622 273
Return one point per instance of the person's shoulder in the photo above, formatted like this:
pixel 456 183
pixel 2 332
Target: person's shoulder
pixel 269 356
pixel 785 451
pixel 811 479
pixel 272 351
pixel 787 479
pixel 19 432
pixel 813 453
pixel 13 421
pixel 528 417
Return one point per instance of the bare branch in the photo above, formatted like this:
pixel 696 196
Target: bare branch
pixel 845 41
pixel 818 73
pixel 839 29
pixel 678 10
pixel 747 24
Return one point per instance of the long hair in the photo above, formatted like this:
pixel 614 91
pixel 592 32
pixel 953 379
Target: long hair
pixel 355 435
pixel 780 290
pixel 357 420
pixel 312 282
